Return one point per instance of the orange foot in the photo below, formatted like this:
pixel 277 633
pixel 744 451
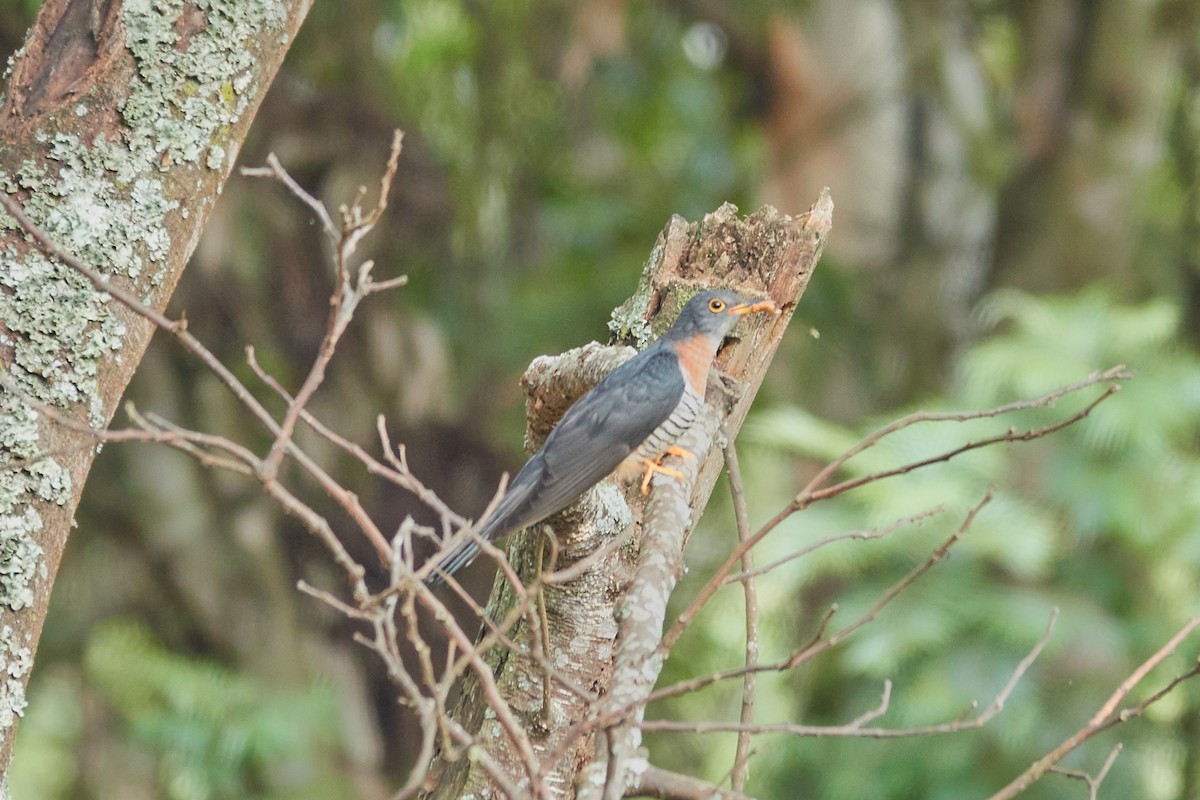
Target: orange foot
pixel 655 465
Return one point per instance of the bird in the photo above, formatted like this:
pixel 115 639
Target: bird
pixel 626 424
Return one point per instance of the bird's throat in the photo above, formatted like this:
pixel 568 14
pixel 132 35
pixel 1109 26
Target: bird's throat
pixel 695 356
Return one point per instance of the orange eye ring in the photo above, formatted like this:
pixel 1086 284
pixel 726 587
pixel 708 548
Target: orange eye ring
pixel 716 305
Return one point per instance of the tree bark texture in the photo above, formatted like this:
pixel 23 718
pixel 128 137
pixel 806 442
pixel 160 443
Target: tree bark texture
pixel 605 625
pixel 119 124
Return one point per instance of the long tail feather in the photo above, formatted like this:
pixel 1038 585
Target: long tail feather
pixel 507 516
pixel 455 560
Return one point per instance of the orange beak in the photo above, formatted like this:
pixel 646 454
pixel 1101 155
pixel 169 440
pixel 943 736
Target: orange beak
pixel 742 309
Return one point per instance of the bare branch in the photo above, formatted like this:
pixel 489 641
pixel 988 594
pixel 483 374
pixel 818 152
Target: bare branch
pixel 345 299
pixel 820 645
pixel 333 602
pixel 1111 374
pixel 487 682
pixel 873 533
pixel 811 493
pixel 856 728
pixel 275 170
pixel 1108 715
pixel 741 757
pixel 178 329
pixel 804 499
pixel 385 181
pixel 191 442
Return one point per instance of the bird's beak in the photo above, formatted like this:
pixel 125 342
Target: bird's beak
pixel 741 309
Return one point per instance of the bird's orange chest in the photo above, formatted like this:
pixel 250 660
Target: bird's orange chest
pixel 695 357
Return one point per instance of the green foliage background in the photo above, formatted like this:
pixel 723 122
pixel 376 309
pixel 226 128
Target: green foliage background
pixel 994 239
pixel 1079 521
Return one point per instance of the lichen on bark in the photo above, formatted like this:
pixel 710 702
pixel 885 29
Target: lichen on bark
pixel 119 135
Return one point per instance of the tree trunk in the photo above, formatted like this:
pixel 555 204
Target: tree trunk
pixel 120 123
pixel 605 626
pixel 1092 93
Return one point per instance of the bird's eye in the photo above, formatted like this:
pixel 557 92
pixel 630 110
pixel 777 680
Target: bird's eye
pixel 716 305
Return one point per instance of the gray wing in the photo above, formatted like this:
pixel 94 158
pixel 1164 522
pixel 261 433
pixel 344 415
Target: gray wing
pixel 605 426
pixel 589 442
pixel 598 432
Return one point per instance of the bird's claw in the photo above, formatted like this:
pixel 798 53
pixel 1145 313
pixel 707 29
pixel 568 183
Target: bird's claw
pixel 653 466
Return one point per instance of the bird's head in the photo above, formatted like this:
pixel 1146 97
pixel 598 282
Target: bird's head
pixel 714 313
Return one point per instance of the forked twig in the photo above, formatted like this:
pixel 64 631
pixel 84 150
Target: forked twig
pixel 178 329
pixel 857 727
pixel 812 494
pixel 820 643
pixel 824 541
pixel 1109 714
pixel 1093 781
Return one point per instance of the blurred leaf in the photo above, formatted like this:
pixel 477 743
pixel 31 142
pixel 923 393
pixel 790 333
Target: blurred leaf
pixel 216 734
pixel 1101 519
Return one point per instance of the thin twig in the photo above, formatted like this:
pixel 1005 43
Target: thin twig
pixel 178 329
pixel 401 475
pixel 811 494
pixel 857 727
pixel 345 298
pixel 349 500
pixel 741 757
pixel 819 645
pixel 498 631
pixel 275 170
pixel 1108 714
pixel 1093 782
pixel 805 499
pixel 191 442
pixel 1111 374
pixel 329 599
pixel 487 684
pixel 860 535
